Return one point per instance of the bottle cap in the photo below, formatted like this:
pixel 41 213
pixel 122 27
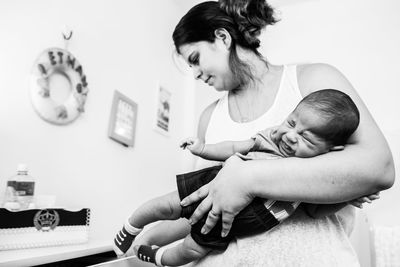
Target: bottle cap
pixel 22 168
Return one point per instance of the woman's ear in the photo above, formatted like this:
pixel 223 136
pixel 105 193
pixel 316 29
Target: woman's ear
pixel 224 36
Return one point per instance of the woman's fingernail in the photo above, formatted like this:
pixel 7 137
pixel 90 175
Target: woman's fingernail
pixel 223 234
pixel 183 202
pixel 203 231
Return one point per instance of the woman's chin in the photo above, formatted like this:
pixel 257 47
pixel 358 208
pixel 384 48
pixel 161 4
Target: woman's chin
pixel 218 88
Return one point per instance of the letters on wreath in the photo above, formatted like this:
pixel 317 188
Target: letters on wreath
pixel 58 61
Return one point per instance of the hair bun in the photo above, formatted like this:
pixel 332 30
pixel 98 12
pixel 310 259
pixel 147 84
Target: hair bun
pixel 251 16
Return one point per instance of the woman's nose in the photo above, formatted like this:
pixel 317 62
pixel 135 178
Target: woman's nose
pixel 197 73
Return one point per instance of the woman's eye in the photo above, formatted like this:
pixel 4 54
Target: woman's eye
pixel 194 60
pixel 291 123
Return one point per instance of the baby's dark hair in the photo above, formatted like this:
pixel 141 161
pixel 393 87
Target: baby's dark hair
pixel 243 19
pixel 339 111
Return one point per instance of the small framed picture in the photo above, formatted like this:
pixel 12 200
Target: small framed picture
pixel 122 122
pixel 163 111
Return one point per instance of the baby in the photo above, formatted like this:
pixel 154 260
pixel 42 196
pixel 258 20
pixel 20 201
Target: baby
pixel 322 122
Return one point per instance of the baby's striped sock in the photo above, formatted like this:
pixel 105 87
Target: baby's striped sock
pixel 124 238
pixel 150 254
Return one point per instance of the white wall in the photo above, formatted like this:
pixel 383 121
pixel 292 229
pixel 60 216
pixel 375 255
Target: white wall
pixel 122 45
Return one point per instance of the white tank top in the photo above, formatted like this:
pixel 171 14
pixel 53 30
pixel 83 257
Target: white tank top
pixel 299 240
pixel 287 98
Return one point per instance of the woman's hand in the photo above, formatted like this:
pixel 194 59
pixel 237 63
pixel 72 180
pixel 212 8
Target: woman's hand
pixel 359 201
pixel 224 197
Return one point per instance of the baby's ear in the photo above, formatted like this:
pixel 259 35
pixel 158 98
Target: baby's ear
pixel 337 148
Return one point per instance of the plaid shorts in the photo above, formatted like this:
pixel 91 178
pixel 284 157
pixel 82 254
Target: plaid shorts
pixel 253 219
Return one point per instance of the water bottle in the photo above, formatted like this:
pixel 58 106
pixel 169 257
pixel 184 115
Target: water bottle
pixel 10 195
pixel 24 187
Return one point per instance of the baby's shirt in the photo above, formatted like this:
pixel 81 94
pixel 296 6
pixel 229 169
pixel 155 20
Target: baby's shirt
pixel 265 148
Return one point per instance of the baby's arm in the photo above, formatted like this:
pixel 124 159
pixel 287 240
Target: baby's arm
pixel 317 211
pixel 359 201
pixel 320 210
pixel 220 151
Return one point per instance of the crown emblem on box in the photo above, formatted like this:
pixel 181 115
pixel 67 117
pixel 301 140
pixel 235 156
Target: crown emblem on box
pixel 46 220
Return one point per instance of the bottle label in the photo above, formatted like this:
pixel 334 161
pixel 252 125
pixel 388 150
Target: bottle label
pixel 12 184
pixel 25 188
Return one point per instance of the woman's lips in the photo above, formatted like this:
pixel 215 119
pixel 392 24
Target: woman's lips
pixel 208 80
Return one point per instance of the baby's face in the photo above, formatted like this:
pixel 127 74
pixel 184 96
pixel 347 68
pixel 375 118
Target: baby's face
pixel 295 137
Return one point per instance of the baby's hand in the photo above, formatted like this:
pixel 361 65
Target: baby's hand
pixel 194 144
pixel 359 201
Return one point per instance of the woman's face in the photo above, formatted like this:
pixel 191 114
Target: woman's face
pixel 210 63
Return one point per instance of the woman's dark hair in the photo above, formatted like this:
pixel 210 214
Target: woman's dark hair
pixel 339 111
pixel 243 19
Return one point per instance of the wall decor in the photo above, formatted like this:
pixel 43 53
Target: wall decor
pixel 58 86
pixel 122 124
pixel 162 124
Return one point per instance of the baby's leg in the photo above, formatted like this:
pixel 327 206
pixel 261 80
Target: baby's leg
pixel 181 254
pixel 164 233
pixel 166 207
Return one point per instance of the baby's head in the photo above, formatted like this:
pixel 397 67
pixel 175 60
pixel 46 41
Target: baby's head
pixel 322 121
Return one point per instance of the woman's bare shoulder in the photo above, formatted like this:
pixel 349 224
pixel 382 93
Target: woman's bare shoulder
pixel 317 76
pixel 320 68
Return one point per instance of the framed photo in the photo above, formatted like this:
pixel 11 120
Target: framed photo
pixel 163 110
pixel 122 122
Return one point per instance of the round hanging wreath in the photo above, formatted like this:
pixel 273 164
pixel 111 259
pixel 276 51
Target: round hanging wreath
pixel 57 61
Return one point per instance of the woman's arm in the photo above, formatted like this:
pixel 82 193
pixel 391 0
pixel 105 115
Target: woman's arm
pixel 365 166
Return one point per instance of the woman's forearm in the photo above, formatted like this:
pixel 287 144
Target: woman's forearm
pixel 330 178
pixel 365 165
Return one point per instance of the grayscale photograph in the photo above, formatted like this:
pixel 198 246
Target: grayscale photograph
pixel 219 133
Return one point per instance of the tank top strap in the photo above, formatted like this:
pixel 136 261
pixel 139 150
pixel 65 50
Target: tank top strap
pixel 288 95
pixel 291 82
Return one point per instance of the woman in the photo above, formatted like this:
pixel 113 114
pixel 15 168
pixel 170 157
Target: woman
pixel 219 40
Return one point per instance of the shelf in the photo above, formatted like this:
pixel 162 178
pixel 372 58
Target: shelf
pixel 36 256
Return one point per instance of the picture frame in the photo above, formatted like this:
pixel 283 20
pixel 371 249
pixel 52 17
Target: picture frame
pixel 163 108
pixel 122 123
